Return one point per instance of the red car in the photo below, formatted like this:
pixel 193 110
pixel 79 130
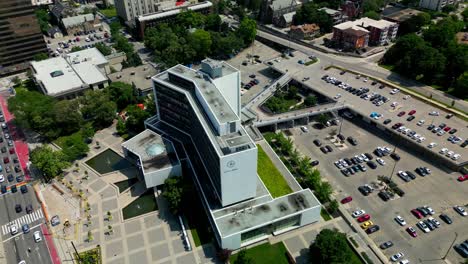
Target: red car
pixel 363 218
pixel 411 231
pixel 402 113
pixel 12 151
pixel 346 200
pixel 463 178
pixel 417 214
pixel 447 129
pixel 412 112
pixel 6 160
pixel 397 125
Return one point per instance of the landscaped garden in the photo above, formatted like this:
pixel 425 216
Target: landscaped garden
pixel 109 12
pixel 262 254
pixel 289 99
pixel 92 256
pixel 332 246
pixel 270 175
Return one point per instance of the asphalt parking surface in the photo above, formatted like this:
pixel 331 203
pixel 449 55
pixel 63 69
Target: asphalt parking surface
pixel 440 190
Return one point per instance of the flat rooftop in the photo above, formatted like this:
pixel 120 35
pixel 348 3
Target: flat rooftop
pixel 140 76
pixel 155 153
pixel 364 23
pixel 174 10
pixel 218 105
pixel 402 15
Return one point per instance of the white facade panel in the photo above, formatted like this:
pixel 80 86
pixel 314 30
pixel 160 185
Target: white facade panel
pixel 156 178
pixel 238 176
pixel 229 86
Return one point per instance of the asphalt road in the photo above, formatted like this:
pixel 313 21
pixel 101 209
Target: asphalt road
pixel 440 190
pixel 17 245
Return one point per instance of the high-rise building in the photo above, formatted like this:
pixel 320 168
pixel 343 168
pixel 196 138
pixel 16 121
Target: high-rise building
pixel 436 5
pixel 20 36
pixel 129 10
pixel 199 112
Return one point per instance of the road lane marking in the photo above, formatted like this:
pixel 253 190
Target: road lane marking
pixel 21 233
pixel 25 219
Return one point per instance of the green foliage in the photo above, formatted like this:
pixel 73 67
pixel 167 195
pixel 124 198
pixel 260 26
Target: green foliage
pixel 333 206
pixel 309 13
pixel 283 101
pixel 41 56
pixel 191 19
pixel 414 24
pixel 121 128
pixel 242 258
pixel 50 162
pixel 98 107
pixel 247 30
pixel 213 22
pixel 461 86
pixel 270 175
pixel 465 14
pixel 67 116
pixel 115 27
pixel 324 214
pixel 322 119
pixel 373 5
pixel 372 14
pixel 43 18
pixel 200 41
pixel 121 43
pixel 103 48
pixel 173 192
pixel 448 8
pixel 265 253
pixel 310 100
pixel 323 192
pixel 74 147
pixel 136 118
pixel 76 48
pixel 331 247
pixel 122 94
pixel 109 12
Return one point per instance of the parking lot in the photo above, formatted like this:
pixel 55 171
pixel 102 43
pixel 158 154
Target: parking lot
pixel 245 62
pixel 400 101
pixel 440 190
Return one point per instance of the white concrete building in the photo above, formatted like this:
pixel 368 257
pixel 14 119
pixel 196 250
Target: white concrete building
pixel 129 10
pixel 436 5
pixel 42 2
pixel 69 76
pixel 199 112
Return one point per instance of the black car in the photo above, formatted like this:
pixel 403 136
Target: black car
pixel 395 156
pixel 19 178
pixel 410 118
pixel 352 141
pixel 3 149
pixel 384 196
pixel 329 149
pixel 10 177
pixel 371 165
pixel 348 161
pixel 430 224
pixel 15 160
pixel 430 127
pixel 18 208
pixel 369 156
pixel 361 167
pixel 17 168
pixel 421 171
pixel 372 229
pixel 351 170
pixel 29 208
pixel 324 150
pixel 24 189
pixel 13 188
pixel 345 172
pixel 423 211
pixel 387 121
pixel 378 153
pixel 446 219
pixel 464 144
pixel 364 190
pixel 314 163
pixel 442 125
pixel 317 143
pixel 374 83
pixel 386 245
pixel 411 175
pixel 461 250
pixel 341 137
pixel 4 189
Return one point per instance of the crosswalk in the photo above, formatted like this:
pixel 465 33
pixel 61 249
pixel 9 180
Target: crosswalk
pixel 25 219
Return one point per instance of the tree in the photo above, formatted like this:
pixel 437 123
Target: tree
pixel 448 8
pixel 310 100
pixel 372 15
pixel 414 24
pixel 309 13
pixel 372 5
pixel 323 192
pixel 103 48
pixel 74 147
pixel 121 128
pixel 242 258
pixel 224 254
pixel 173 192
pixel 122 94
pixel 293 92
pixel 50 162
pixel 213 22
pixel 111 230
pixel 43 18
pixel 87 131
pixel 90 236
pixel 322 119
pixel 67 117
pixel 247 30
pixel 76 48
pixel 200 41
pixel 41 56
pixel 330 247
pixel 98 107
pixel 121 43
pixel 136 118
pixel 115 27
pixel 465 14
pixel 109 215
pixel 333 206
pixel 190 19
pixel 461 86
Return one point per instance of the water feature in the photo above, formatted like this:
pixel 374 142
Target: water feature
pixel 144 204
pixel 108 161
pixel 124 185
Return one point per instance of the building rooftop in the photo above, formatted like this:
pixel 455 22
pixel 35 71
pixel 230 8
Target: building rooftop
pixel 402 15
pixel 306 28
pixel 213 97
pixel 288 17
pixel 364 23
pixel 154 152
pixel 174 10
pixel 140 76
pixel 281 4
pixel 77 20
pixel 329 11
pixel 76 71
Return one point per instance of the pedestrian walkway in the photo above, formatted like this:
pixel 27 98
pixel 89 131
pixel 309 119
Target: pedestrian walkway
pixel 25 219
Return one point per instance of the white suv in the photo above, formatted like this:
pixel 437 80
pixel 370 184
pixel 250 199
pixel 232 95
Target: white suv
pixel 13 230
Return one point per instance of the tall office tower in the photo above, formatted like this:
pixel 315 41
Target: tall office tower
pixel 20 36
pixel 129 10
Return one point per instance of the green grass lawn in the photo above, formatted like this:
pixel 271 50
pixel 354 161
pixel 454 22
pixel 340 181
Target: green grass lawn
pixel 325 215
pixel 311 62
pixel 92 256
pixel 388 67
pixel 266 254
pixel 270 175
pixel 109 12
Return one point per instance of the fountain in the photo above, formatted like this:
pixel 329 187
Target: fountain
pixel 108 161
pixel 142 205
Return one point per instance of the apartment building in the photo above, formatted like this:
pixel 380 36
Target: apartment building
pixel 436 5
pixel 335 15
pixel 363 32
pixel 129 10
pixel 42 2
pixel 20 36
pixel 198 111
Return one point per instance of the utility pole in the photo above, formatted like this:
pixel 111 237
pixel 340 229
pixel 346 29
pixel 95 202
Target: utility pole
pixel 394 164
pixel 76 251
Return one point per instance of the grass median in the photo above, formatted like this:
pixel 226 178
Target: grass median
pixel 266 254
pixel 270 175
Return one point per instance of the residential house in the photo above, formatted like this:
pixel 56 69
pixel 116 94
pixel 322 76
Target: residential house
pixel 335 15
pixel 401 15
pixel 286 20
pixel 79 23
pixel 61 10
pixel 306 31
pixel 271 11
pixel 54 32
pixel 352 8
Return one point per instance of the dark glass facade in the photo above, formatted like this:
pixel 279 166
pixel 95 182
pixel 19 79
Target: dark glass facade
pixel 175 109
pixel 20 36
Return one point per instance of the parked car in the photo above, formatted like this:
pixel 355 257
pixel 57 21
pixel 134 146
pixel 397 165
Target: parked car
pixel 402 113
pixel 397 256
pixel 346 200
pixel 400 220
pixel 363 218
pixel 372 229
pixel 446 218
pixel 317 143
pixel 358 213
pixel 460 210
pixel 416 213
pixel 411 231
pixel 387 244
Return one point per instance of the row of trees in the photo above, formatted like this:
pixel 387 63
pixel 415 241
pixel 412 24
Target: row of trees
pixel 195 36
pixel 331 246
pixel 309 13
pixel 300 166
pixel 435 58
pixel 122 44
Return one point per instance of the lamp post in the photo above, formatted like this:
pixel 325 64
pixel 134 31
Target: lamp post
pixel 394 164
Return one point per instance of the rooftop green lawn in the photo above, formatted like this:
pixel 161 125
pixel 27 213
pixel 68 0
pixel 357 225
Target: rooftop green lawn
pixel 109 12
pixel 266 254
pixel 270 175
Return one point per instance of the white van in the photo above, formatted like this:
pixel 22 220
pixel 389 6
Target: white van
pixel 37 236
